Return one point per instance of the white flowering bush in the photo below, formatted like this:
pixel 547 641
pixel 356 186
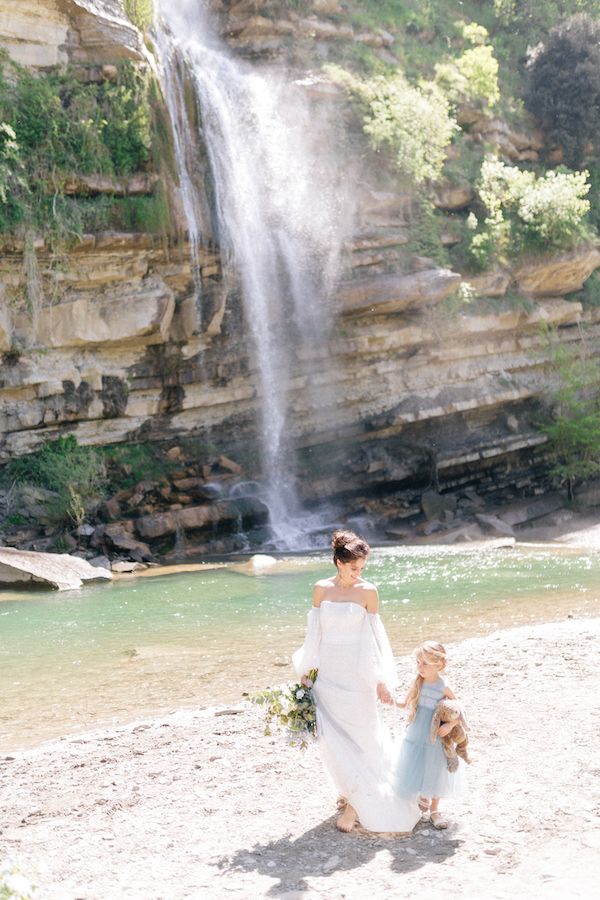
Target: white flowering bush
pixel 554 206
pixel 525 211
pixel 13 884
pixel 410 122
pixel 473 76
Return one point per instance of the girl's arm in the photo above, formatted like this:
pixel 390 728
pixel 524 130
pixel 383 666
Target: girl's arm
pixel 447 727
pixel 402 704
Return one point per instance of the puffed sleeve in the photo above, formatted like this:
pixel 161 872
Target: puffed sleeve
pixel 307 656
pixel 376 662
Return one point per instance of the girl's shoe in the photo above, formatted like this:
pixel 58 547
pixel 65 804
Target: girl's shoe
pixel 438 821
pixel 423 804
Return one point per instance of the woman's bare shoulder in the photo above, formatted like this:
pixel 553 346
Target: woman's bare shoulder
pixel 324 583
pixel 320 589
pixel 367 586
pixel 371 596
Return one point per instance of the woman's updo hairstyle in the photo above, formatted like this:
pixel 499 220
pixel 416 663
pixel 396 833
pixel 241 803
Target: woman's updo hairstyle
pixel 347 547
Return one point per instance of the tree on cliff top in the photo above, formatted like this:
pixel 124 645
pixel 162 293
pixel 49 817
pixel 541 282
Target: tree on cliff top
pixel 564 86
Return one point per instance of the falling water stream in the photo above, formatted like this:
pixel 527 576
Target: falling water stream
pixel 278 218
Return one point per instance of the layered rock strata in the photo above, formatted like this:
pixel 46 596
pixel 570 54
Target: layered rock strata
pixel 410 390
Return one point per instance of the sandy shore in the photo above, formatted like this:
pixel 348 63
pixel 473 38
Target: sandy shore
pixel 203 805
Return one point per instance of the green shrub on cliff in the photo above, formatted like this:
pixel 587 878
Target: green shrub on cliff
pixel 75 475
pixel 55 126
pixel 412 125
pixel 140 12
pixel 524 212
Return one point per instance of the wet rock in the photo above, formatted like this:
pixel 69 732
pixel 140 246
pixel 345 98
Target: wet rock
pixel 61 571
pixel 124 567
pixel 100 562
pixel 494 525
pixel 452 197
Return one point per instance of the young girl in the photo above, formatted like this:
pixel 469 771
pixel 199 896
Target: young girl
pixel 422 765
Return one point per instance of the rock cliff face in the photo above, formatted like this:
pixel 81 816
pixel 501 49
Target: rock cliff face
pixel 115 347
pixel 41 33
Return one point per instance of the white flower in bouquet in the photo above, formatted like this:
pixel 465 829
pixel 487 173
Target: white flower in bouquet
pixel 13 884
pixel 294 708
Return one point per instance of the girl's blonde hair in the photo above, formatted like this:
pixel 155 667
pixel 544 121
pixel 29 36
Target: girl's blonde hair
pixel 431 652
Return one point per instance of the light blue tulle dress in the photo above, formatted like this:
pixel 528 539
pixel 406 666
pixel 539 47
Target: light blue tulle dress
pixel 421 764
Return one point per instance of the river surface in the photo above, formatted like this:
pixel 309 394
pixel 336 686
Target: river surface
pixel 133 648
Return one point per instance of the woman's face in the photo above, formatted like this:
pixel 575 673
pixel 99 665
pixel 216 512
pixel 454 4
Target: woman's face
pixel 350 572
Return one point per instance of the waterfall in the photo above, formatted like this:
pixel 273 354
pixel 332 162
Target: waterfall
pixel 279 218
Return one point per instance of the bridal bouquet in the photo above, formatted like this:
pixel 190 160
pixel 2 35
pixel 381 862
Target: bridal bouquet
pixel 292 707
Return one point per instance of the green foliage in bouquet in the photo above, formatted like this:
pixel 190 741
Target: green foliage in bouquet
pixel 13 884
pixel 292 707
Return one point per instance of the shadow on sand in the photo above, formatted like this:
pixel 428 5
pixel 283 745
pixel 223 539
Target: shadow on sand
pixel 324 851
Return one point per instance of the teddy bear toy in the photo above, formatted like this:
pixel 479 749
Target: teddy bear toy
pixel 456 741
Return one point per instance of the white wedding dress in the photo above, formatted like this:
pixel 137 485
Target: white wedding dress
pixel 351 650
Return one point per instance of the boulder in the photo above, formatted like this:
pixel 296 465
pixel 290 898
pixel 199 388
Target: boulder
pixel 394 293
pixel 562 274
pixel 259 564
pixel 60 571
pixel 435 506
pixel 452 197
pixel 494 525
pixel 123 540
pixel 141 312
pixel 490 284
pixel 530 509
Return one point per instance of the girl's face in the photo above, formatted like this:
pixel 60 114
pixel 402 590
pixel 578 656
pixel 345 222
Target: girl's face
pixel 350 572
pixel 427 670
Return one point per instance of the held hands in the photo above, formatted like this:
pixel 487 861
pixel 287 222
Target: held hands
pixel 383 694
pixel 445 729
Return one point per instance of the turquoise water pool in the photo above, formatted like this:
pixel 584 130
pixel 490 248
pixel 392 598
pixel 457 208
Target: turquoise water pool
pixel 111 653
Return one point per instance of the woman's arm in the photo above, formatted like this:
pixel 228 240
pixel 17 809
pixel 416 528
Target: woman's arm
pixel 372 605
pixel 318 594
pixel 372 599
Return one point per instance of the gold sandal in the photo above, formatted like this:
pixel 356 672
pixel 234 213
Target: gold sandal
pixel 438 821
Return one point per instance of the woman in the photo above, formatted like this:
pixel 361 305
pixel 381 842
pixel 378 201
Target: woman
pixel 347 643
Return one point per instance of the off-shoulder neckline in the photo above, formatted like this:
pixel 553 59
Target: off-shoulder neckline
pixel 344 603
